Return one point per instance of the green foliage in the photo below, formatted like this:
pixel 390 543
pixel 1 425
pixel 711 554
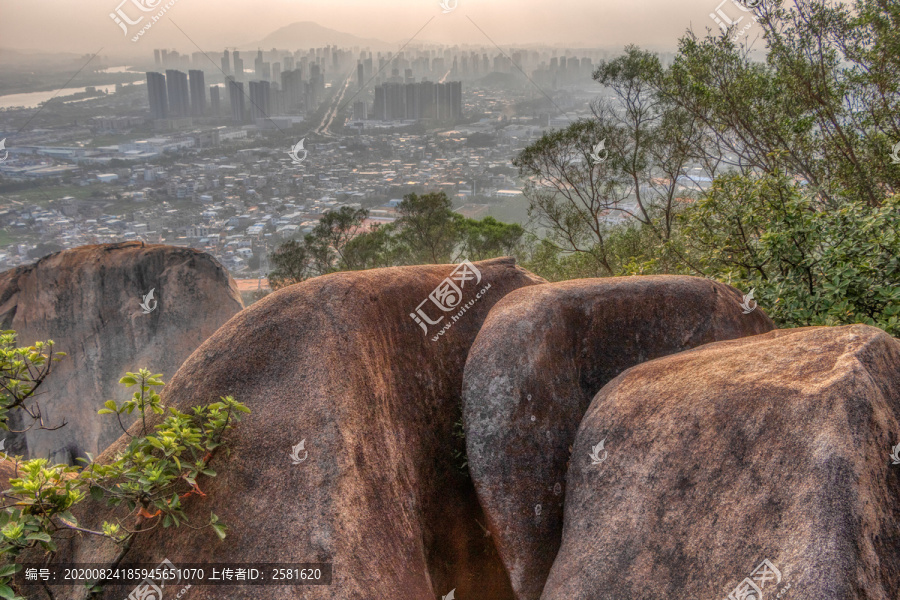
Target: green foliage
pixel 490 238
pixel 427 231
pixel 822 107
pixel 460 456
pixel 568 196
pixel 329 237
pixel 151 477
pixel 22 371
pixel 803 205
pixel 809 265
pixel 650 145
pixel 292 264
pixel 551 263
pixel 428 228
pixel 373 249
pixel 324 250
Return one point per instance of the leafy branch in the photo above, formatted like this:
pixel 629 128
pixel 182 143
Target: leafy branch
pixel 152 477
pixel 22 371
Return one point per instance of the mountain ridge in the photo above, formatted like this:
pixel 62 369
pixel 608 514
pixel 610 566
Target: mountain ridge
pixel 312 35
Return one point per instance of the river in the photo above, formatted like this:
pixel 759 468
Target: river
pixel 33 99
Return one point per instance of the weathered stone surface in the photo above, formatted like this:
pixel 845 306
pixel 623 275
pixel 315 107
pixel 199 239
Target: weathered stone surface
pixel 88 301
pixel 542 355
pixel 7 472
pixel 774 447
pixel 338 362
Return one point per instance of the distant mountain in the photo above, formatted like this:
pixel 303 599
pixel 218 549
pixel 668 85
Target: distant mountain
pixel 305 34
pixel 27 58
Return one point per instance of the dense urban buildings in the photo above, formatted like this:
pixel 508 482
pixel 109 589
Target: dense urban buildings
pixel 414 101
pixel 199 156
pixel 417 85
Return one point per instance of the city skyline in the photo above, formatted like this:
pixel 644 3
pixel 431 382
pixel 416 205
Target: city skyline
pixel 412 85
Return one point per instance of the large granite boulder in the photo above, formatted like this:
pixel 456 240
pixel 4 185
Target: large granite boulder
pixel 542 355
pixel 753 468
pixel 88 300
pixel 351 365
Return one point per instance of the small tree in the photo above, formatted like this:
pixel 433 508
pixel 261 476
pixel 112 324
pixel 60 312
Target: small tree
pixel 292 263
pixel 324 250
pixel 428 228
pixel 489 238
pixel 327 240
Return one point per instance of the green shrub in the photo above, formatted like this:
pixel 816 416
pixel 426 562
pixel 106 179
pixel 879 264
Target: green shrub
pixel 152 476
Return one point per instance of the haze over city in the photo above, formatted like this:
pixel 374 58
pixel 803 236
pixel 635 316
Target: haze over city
pixel 60 26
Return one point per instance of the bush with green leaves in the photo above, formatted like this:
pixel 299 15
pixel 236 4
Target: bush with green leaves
pixel 152 476
pixel 809 263
pixel 22 371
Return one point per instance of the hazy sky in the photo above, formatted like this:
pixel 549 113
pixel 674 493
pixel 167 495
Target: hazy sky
pixel 84 26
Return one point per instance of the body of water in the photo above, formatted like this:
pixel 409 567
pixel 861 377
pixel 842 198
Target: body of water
pixel 115 70
pixel 33 99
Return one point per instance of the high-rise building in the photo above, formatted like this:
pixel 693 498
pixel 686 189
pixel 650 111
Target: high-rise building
pixel 414 101
pixel 315 89
pixel 156 58
pixel 359 74
pixel 258 64
pixel 395 100
pixel 277 103
pixel 292 87
pixel 179 94
pixel 215 101
pixel 156 89
pixel 236 98
pixel 378 108
pixel 198 92
pixel 260 100
pixel 427 100
pixel 226 63
pixel 238 66
pixel 413 108
pixel 360 111
pixel 442 98
pixel 454 93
